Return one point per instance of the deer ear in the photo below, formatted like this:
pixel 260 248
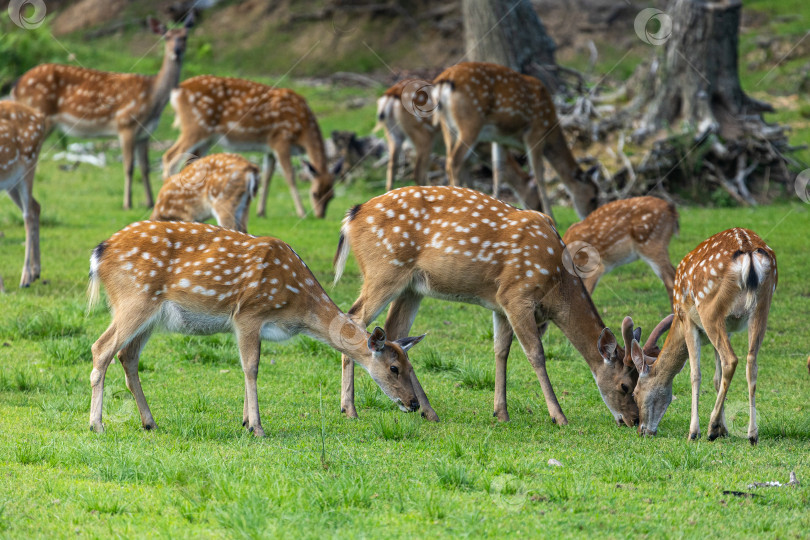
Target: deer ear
pixel 376 341
pixel 637 334
pixel 607 345
pixel 309 168
pixel 637 355
pixel 592 174
pixel 190 20
pixel 337 167
pixel 407 342
pixel 156 26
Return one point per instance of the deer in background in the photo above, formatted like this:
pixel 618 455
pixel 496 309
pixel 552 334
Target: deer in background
pixel 400 124
pixel 218 186
pixel 89 103
pixel 22 131
pixel 621 232
pixel 724 285
pixel 200 279
pixel 244 115
pixel 458 244
pixel 478 101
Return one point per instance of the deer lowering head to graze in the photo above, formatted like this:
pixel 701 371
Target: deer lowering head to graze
pixel 478 101
pixel 621 232
pixel 89 103
pixel 724 285
pixel 201 279
pixel 22 131
pixel 458 244
pixel 218 186
pixel 243 116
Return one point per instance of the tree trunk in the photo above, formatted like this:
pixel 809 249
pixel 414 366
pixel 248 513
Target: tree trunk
pixel 693 79
pixel 509 32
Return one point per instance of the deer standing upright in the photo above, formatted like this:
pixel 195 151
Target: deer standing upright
pixel 219 186
pixel 458 244
pixel 200 279
pixel 244 115
pixel 89 103
pixel 621 232
pixel 22 131
pixel 478 101
pixel 724 285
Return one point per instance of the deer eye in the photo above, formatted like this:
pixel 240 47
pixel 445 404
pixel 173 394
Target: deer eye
pixel 395 370
pixel 625 389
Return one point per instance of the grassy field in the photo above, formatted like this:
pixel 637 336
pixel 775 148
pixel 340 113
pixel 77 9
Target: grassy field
pixel 386 474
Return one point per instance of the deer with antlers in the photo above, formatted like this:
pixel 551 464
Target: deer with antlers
pixel 478 101
pixel 218 186
pixel 195 278
pixel 22 131
pixel 458 244
pixel 89 103
pixel 724 285
pixel 244 115
pixel 621 232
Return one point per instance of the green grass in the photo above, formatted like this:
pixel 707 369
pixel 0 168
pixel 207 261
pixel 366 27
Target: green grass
pixel 386 474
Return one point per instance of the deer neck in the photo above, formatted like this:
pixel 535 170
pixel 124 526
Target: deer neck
pixel 673 355
pixel 556 151
pixel 165 81
pixel 577 318
pixel 327 323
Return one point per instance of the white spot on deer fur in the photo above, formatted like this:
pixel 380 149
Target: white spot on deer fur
pixel 184 282
pixel 544 271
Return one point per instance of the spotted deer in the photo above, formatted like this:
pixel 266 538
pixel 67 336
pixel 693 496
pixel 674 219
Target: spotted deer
pixel 621 232
pixel 458 244
pixel 244 115
pixel 22 131
pixel 724 285
pixel 478 101
pixel 218 186
pixel 402 122
pixel 89 103
pixel 195 278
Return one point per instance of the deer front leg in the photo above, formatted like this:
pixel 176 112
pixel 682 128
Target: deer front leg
pixel 283 156
pixel 21 195
pixel 268 168
pixel 249 352
pixel 525 327
pixel 142 154
pixel 129 356
pixel 127 141
pixel 502 334
pixel 397 325
pixel 536 161
pixel 692 338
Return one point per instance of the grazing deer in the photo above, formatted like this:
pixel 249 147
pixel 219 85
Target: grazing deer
pixel 200 279
pixel 401 122
pixel 247 116
pixel 89 103
pixel 458 244
pixel 219 186
pixel 621 232
pixel 479 101
pixel 724 285
pixel 22 131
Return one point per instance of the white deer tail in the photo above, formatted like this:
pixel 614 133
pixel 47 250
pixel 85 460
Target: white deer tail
pixel 93 288
pixel 342 254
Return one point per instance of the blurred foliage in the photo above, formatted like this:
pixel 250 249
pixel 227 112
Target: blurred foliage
pixel 22 50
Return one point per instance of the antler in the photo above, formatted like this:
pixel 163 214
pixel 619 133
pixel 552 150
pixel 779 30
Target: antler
pixel 651 346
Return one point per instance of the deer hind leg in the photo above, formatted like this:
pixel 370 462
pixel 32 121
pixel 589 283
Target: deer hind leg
pixel 525 327
pixel 502 337
pixel 716 331
pixel 127 140
pixel 394 147
pixel 21 195
pixel 423 146
pixel 398 324
pixel 377 292
pixel 459 146
pixel 691 335
pixel 659 261
pixel 535 153
pixel 127 323
pixel 142 154
pixel 129 357
pixel 756 333
pixel 268 168
pixel 249 340
pixel 187 145
pixel 283 156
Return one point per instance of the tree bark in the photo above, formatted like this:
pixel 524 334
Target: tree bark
pixel 509 32
pixel 693 78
